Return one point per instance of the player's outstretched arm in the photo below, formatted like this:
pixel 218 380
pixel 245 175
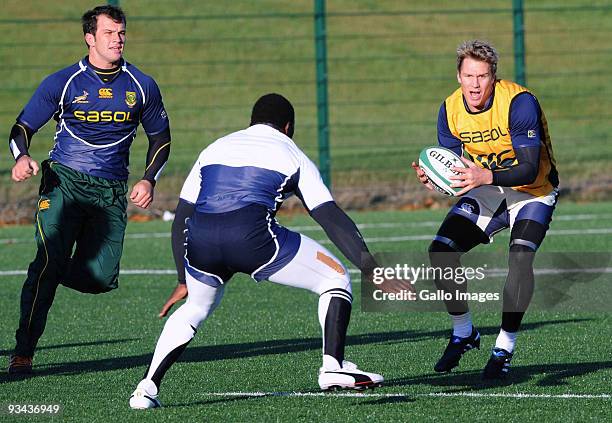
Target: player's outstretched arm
pixel 343 232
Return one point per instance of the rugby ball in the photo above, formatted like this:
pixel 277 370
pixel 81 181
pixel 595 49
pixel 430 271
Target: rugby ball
pixel 437 162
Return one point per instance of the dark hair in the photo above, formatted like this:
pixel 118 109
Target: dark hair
pixel 90 18
pixel 275 110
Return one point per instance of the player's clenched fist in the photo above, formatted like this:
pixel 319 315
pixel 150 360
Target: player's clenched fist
pixel 142 194
pixel 24 168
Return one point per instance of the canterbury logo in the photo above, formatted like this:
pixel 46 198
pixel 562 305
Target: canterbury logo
pixel 494 161
pixel 44 205
pixel 330 262
pixel 105 93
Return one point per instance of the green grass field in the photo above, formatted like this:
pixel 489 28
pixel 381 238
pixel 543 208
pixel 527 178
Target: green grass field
pixel 256 358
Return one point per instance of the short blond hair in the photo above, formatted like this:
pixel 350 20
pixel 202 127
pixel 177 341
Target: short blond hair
pixel 477 50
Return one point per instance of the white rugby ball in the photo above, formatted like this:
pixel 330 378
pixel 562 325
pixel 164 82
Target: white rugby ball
pixel 437 162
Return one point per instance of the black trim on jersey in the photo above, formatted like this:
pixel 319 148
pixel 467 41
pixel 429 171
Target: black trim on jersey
pixel 524 172
pixel 343 232
pixel 157 154
pixel 184 210
pixel 21 134
pixel 106 75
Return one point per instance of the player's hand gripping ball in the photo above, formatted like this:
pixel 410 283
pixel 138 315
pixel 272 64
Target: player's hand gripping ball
pixel 437 163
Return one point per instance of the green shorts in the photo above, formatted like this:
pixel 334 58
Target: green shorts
pixel 81 222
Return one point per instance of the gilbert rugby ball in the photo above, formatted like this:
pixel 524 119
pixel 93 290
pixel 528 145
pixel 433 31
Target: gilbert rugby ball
pixel 437 162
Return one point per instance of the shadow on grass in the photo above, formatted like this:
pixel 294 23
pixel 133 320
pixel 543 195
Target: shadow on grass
pixel 77 344
pixel 222 400
pixel 282 346
pixel 557 374
pixel 388 401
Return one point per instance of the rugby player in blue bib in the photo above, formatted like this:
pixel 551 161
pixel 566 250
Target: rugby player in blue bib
pixel 97 104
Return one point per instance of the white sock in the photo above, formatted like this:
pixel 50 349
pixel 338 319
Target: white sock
pixel 506 340
pixel 178 332
pixel 330 363
pixel 462 325
pixel 181 326
pixel 149 386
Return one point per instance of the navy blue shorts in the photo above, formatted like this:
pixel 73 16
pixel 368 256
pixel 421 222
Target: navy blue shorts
pixel 247 240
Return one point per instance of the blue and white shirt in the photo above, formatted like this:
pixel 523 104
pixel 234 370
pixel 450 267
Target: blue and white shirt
pixel 257 165
pixel 96 121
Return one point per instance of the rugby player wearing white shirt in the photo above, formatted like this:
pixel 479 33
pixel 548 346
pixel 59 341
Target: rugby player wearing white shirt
pixel 227 205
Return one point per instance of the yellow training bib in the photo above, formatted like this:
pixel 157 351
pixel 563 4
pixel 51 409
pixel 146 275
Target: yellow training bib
pixel 485 136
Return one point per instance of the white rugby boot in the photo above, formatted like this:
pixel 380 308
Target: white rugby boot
pixel 145 396
pixel 333 377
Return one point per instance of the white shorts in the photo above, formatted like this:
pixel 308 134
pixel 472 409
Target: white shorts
pixel 493 208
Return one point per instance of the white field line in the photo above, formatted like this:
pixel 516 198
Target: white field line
pixel 436 223
pixel 489 272
pixel 598 231
pixel 399 395
pixel 371 240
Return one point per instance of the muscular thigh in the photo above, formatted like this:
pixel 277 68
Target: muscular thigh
pixel 314 268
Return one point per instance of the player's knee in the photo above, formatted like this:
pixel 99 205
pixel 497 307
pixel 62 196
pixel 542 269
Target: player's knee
pixel 440 247
pixel 100 284
pixel 202 299
pixel 197 312
pixel 91 278
pixel 339 282
pixel 443 254
pixel 521 255
pixel 92 284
